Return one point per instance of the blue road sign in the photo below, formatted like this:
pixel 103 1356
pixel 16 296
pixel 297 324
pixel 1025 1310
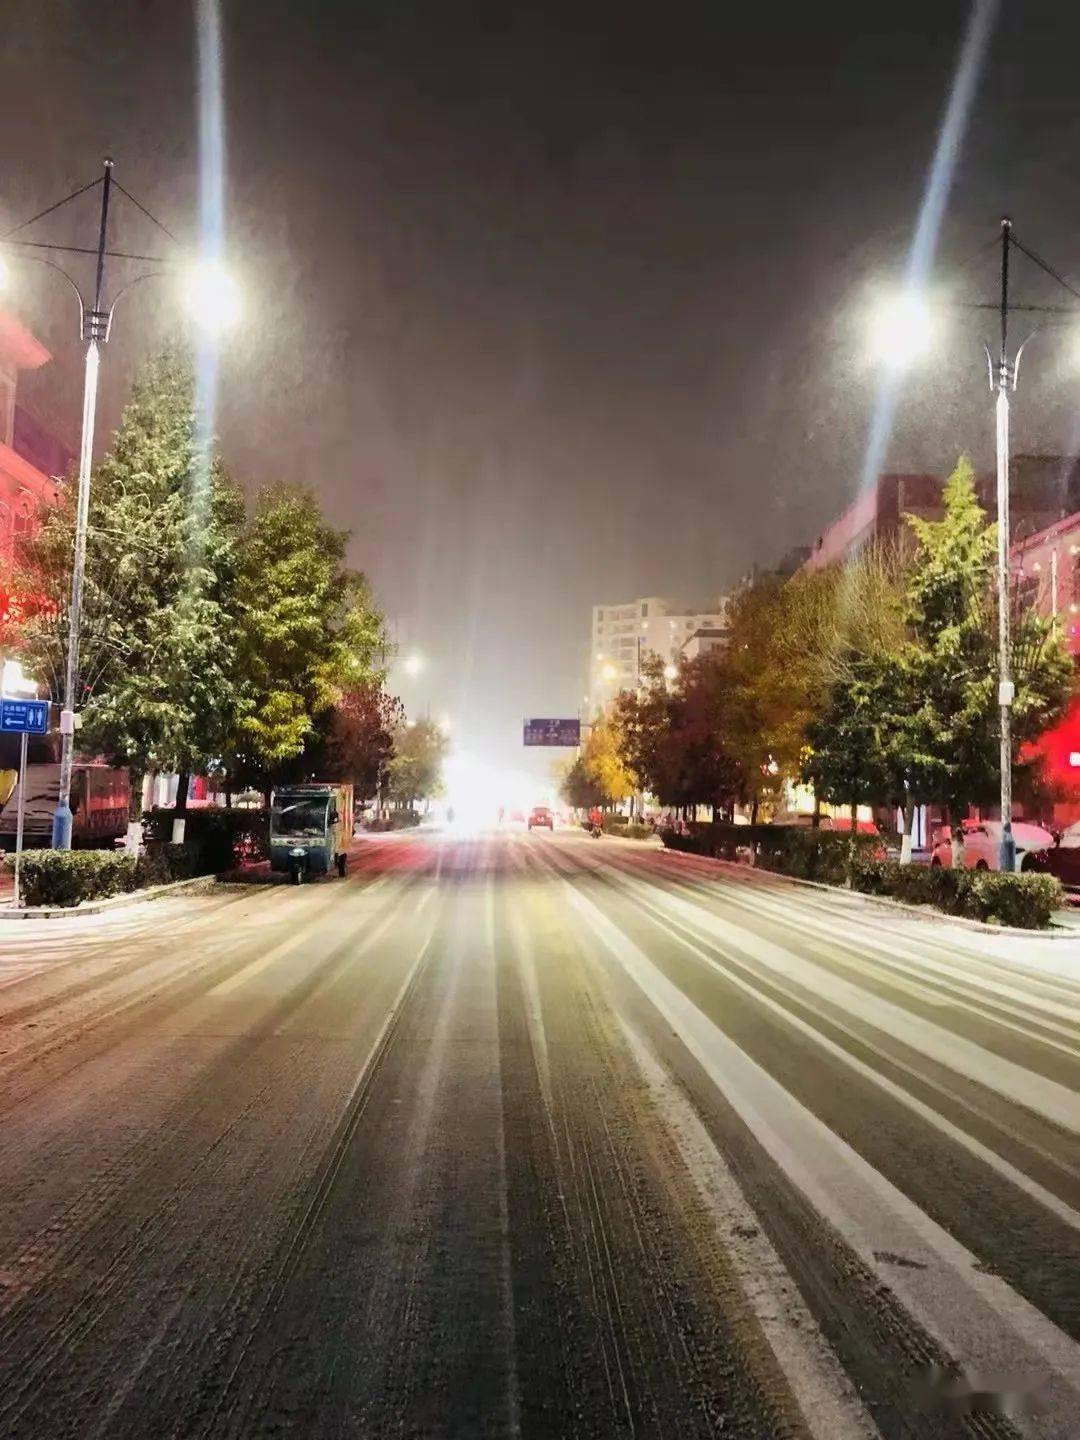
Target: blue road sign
pixel 30 717
pixel 552 732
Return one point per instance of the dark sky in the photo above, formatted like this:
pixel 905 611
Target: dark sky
pixel 556 304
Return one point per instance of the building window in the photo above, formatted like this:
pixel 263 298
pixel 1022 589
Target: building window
pixel 644 608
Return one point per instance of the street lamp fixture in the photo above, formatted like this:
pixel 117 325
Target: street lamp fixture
pixel 902 329
pixel 211 296
pixel 216 303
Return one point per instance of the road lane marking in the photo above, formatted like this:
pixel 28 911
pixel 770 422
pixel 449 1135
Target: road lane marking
pixel 1055 1102
pixel 982 1152
pixel 976 1316
pixel 827 1399
pixel 513 1386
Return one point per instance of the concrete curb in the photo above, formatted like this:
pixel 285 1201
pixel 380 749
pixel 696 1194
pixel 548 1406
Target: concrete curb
pixel 111 902
pixel 883 903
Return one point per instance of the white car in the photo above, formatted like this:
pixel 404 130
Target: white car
pixel 982 842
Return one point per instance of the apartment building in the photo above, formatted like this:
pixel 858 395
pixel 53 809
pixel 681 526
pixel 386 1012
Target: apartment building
pixel 625 635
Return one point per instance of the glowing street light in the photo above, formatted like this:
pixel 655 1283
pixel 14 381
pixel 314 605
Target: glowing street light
pixel 211 296
pixel 902 330
pixel 608 672
pixel 670 672
pixel 413 665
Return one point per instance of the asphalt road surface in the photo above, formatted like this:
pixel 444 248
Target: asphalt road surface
pixel 513 1135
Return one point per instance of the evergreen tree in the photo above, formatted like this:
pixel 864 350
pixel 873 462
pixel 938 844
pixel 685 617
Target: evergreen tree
pixel 952 731
pixel 156 645
pixel 851 742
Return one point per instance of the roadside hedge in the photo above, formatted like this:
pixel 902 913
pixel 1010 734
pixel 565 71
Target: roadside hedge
pixel 1026 901
pixel 217 837
pixel 796 850
pixel 626 828
pixel 67 877
pixel 396 820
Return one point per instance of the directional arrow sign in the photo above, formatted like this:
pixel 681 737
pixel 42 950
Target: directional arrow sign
pixel 24 717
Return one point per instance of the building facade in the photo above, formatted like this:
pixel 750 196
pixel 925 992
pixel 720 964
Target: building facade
pixel 31 460
pixel 704 641
pixel 1043 489
pixel 875 515
pixel 626 635
pixel 1046 573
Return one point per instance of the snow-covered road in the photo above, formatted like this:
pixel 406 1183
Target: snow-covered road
pixel 529 1136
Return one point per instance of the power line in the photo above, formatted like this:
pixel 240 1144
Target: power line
pixel 139 206
pixel 49 210
pixel 1048 269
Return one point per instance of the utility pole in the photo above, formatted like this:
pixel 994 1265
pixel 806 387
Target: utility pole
pixel 1006 690
pixel 95 328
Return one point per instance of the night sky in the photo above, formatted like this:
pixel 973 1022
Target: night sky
pixel 556 304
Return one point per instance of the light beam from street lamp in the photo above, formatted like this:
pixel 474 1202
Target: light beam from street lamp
pixel 901 330
pixel 211 296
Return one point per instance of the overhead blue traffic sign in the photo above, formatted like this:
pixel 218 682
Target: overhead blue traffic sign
pixel 29 717
pixel 553 732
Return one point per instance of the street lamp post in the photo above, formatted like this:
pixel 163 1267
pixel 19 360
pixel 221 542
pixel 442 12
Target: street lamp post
pixel 212 298
pixel 95 327
pixel 1006 376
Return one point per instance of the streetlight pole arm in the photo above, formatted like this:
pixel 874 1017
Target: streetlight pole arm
pixel 40 260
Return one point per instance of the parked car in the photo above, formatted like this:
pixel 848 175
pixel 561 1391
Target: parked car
pixel 1061 859
pixel 982 842
pixel 540 817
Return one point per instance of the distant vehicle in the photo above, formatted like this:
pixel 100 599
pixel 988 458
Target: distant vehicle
pixel 99 805
pixel 540 817
pixel 982 842
pixel 310 829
